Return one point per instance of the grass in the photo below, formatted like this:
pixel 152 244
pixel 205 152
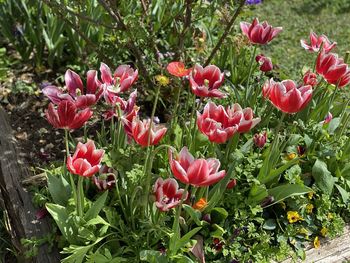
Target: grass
pixel 298 17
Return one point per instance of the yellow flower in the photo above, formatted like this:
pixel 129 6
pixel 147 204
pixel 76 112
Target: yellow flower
pixel 310 195
pixel 162 80
pixel 309 208
pixel 304 231
pixel 291 156
pixel 317 242
pixel 201 204
pixel 324 231
pixel 330 216
pixel 293 216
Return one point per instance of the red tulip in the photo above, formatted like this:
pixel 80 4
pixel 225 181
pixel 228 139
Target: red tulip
pixel 141 131
pixel 231 184
pixel 259 139
pixel 66 116
pixel 206 81
pixel 259 33
pixel 167 192
pixel 265 63
pixel 316 42
pixel 333 69
pixel 82 97
pixel 220 124
pixel 328 118
pixel 310 78
pixel 124 76
pixel 178 69
pixel 196 172
pixel 287 96
pixel 86 159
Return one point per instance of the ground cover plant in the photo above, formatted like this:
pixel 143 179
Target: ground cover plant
pixel 221 159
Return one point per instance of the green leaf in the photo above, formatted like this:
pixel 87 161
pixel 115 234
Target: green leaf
pixel 194 214
pixel 257 193
pixel 78 253
pixel 270 224
pixel 282 192
pixel 96 207
pixel 186 238
pixel 218 215
pixel 153 256
pixel 59 189
pixel 323 178
pixel 344 194
pixel 333 125
pixel 276 172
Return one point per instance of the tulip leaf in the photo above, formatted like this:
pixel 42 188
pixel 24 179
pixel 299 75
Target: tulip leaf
pixel 323 178
pixel 96 207
pixel 276 172
pixel 284 191
pixel 153 256
pixel 194 214
pixel 59 189
pixel 218 214
pixel 186 238
pixel 344 194
pixel 333 125
pixel 257 193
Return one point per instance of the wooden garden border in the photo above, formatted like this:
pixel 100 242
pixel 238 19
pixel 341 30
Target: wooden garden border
pixel 15 199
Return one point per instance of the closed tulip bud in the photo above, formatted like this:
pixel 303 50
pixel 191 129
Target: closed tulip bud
pixel 267 201
pixel 310 78
pixel 265 63
pixel 260 139
pixel 231 184
pixel 328 118
pixel 207 218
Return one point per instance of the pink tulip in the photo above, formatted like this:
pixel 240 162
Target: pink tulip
pixel 178 69
pixel 265 63
pixel 328 118
pixel 168 195
pixel 333 69
pixel 260 139
pixel 220 124
pixel 141 132
pixel 82 97
pixel 310 78
pixel 66 116
pixel 287 96
pixel 206 81
pixel 316 42
pixel 259 33
pixel 196 172
pixel 122 79
pixel 86 159
pixel 231 184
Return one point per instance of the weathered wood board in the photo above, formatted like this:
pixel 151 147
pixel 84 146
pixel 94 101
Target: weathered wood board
pixel 15 200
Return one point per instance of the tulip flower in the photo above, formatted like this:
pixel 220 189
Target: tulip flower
pixel 316 42
pixel 104 183
pixel 206 81
pixel 86 159
pixel 82 97
pixel 231 184
pixel 178 69
pixel 67 116
pixel 168 195
pixel 196 172
pixel 287 96
pixel 259 33
pixel 265 63
pixel 220 124
pixel 122 79
pixel 259 139
pixel 144 135
pixel 328 118
pixel 333 69
pixel 310 78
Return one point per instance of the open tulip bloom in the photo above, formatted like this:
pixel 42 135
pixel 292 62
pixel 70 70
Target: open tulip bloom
pixel 82 97
pixel 178 69
pixel 206 81
pixel 86 159
pixel 67 116
pixel 287 96
pixel 145 135
pixel 220 124
pixel 196 172
pixel 333 69
pixel 122 79
pixel 168 195
pixel 316 43
pixel 259 33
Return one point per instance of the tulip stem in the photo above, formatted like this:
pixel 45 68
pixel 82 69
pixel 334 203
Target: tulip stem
pixel 174 121
pixel 248 92
pixel 119 133
pixel 80 199
pixel 186 111
pixel 176 226
pixel 232 142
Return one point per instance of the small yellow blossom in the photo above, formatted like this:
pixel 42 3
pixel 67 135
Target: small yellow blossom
pixel 324 231
pixel 201 204
pixel 304 231
pixel 309 208
pixel 330 216
pixel 310 195
pixel 162 80
pixel 293 216
pixel 283 205
pixel 317 242
pixel 291 156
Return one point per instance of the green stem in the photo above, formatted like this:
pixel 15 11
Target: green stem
pixel 175 113
pixel 80 199
pixel 250 73
pixel 72 184
pixel 119 131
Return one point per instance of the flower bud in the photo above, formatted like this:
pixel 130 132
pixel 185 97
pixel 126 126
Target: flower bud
pixel 310 78
pixel 231 184
pixel 265 63
pixel 260 139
